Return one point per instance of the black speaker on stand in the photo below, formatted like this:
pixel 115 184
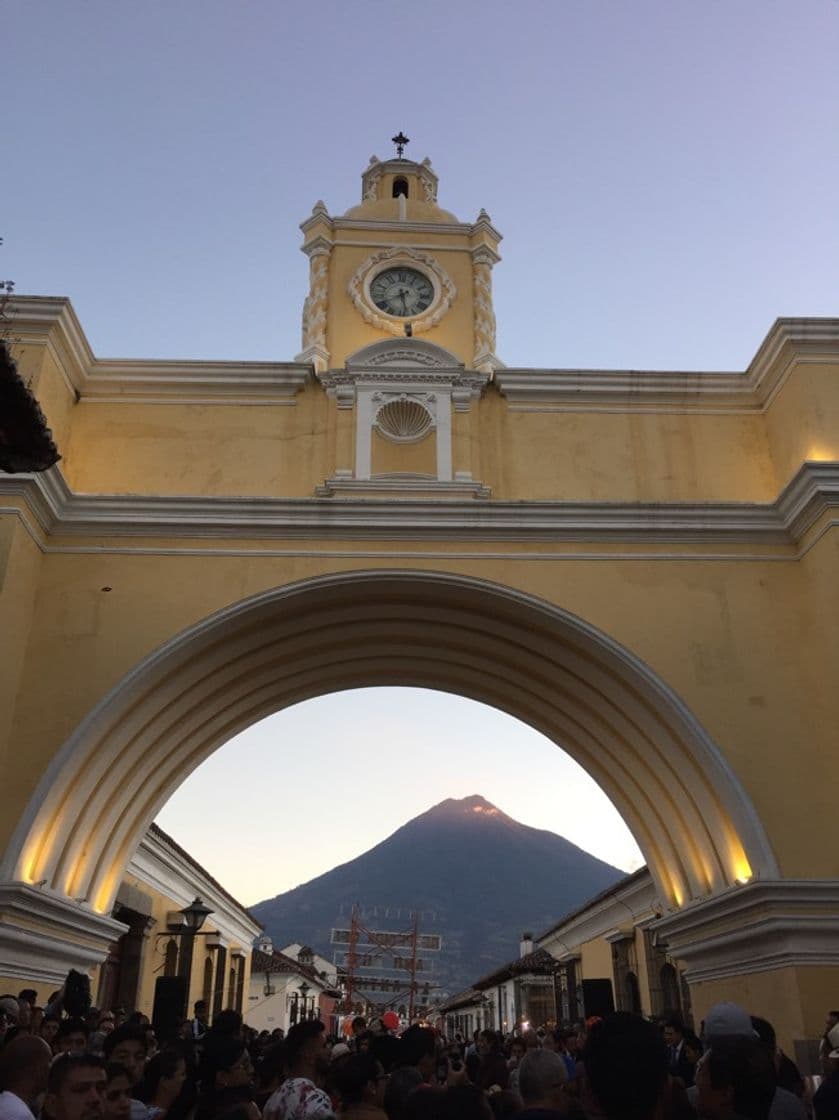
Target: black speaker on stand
pixel 169 1002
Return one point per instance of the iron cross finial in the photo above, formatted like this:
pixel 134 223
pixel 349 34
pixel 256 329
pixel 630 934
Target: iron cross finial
pixel 400 141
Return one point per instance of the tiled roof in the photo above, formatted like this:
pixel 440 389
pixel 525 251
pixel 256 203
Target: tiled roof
pixel 183 854
pixel 278 962
pixel 539 962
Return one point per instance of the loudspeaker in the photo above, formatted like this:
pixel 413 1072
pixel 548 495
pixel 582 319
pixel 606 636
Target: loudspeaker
pixel 598 998
pixel 169 1004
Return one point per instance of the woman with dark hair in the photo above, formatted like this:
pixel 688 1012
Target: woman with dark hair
pixel 226 1078
pixel 359 1082
pixel 163 1080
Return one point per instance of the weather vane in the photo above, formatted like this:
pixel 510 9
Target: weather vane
pixel 400 141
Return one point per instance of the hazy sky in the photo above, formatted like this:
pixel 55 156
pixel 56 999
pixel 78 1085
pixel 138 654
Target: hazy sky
pixel 320 783
pixel 665 176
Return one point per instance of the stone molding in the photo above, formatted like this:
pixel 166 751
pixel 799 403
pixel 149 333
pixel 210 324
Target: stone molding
pixel 634 901
pixel 52 511
pixel 386 487
pixel 43 934
pixel 758 927
pixel 51 322
pixel 788 343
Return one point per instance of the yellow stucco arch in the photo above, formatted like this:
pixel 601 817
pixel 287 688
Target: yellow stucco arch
pixel 691 817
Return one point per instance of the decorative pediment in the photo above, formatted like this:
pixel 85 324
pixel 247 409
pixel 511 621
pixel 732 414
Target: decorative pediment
pixel 409 353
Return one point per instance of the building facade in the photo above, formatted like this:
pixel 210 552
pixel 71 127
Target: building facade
pixel 640 564
pixel 160 881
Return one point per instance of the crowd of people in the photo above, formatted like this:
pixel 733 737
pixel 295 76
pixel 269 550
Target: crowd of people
pixel 112 1066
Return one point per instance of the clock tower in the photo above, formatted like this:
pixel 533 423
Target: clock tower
pixel 399 327
pixel 398 265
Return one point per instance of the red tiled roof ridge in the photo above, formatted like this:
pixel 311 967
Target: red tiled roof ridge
pixel 279 962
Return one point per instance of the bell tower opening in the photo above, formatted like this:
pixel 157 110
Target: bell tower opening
pixel 400 187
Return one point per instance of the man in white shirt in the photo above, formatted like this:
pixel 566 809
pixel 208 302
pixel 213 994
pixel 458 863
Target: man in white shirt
pixel 24 1069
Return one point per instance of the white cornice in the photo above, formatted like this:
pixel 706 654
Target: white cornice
pixel 165 870
pixel 629 904
pixel 50 509
pixel 51 322
pixel 789 342
pixel 43 935
pixel 757 927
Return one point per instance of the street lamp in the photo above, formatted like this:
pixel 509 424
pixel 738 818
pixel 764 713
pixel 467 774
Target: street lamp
pixel 304 990
pixel 194 917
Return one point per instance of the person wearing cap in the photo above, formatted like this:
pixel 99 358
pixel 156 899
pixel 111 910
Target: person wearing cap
pixel 726 1021
pixel 826 1097
pixel 735 1080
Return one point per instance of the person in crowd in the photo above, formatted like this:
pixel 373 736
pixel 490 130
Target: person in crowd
pixel 48 1030
pixel 788 1074
pixel 127 1046
pixel 567 1044
pixel 674 1040
pixel 116 1097
pixel 226 1076
pixel 228 1022
pixel 358 1027
pixel 518 1049
pixel 418 1048
pixel 831 1021
pixel 543 1084
pixel 270 1072
pixel 726 1021
pixel 24 1069
pixel 76 1088
pixel 96 1038
pixel 402 1083
pixel 626 1066
pixel 162 1082
pixel 735 1080
pixel 493 1068
pixel 359 1081
pixel 301 1096
pixel 9 1011
pixel 826 1097
pixel 464 1102
pixel 199 1024
pixel 71 1037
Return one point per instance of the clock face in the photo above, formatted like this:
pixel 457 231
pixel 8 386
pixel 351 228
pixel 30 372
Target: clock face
pixel 402 291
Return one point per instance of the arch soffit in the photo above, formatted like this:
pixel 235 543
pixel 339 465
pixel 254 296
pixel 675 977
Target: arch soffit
pixel 693 821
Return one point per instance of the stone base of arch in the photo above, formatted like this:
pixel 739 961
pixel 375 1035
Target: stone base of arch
pixel 43 936
pixel 772 947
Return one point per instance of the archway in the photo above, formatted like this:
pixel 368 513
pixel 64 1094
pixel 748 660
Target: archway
pixel 692 819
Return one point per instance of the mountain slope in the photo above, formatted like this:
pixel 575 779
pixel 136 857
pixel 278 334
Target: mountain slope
pixel 479 877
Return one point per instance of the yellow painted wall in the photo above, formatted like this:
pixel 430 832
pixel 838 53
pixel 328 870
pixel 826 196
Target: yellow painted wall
pixel 717 625
pixel 596 960
pixel 413 458
pixel 225 450
pixel 794 1000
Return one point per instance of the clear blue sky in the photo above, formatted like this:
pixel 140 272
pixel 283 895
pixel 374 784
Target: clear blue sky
pixel 664 173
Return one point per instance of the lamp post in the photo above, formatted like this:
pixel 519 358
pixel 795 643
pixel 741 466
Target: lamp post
pixel 304 991
pixel 194 917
